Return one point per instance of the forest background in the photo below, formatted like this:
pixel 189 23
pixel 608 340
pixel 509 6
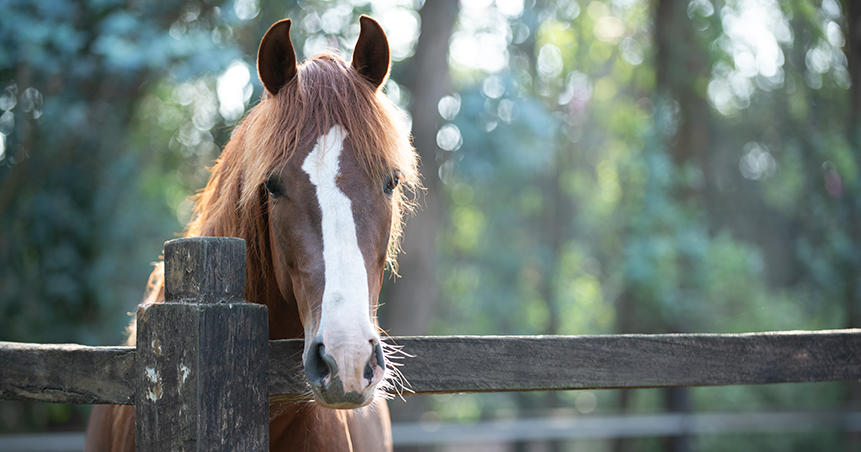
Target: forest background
pixel 592 167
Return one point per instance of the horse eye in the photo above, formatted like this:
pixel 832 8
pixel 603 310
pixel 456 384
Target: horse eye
pixel 274 187
pixel 392 182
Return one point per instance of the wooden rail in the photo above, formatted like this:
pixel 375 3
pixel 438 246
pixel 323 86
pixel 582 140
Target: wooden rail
pixel 621 426
pixel 553 427
pixel 461 364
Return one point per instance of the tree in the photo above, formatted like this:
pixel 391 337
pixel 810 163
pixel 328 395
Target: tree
pixel 410 303
pixel 80 222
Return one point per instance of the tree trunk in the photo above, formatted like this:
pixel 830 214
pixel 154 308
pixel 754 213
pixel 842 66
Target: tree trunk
pixel 410 302
pixel 852 11
pixel 678 65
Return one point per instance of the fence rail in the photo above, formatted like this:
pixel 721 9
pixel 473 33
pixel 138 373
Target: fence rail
pixel 555 427
pixel 622 426
pixel 462 364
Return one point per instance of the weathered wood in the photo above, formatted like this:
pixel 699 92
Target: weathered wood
pixel 204 270
pixel 202 356
pixel 66 373
pixel 485 363
pixel 457 364
pixel 482 364
pixel 286 371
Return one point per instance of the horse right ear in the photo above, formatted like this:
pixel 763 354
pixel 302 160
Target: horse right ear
pixel 276 59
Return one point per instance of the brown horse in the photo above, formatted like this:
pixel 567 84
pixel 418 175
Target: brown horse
pixel 315 180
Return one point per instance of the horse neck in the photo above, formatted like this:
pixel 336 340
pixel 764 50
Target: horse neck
pixel 307 426
pixel 261 285
pixel 284 320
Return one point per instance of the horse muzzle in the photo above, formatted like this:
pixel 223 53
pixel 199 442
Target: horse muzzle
pixel 344 374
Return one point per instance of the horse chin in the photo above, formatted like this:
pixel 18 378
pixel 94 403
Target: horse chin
pixel 332 395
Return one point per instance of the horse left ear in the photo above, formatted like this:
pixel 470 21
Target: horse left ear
pixel 371 57
pixel 276 59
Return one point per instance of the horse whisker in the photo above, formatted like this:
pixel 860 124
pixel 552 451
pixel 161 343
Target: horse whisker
pixel 394 382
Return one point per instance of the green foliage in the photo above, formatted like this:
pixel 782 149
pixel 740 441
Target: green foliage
pixel 594 223
pixel 73 208
pixel 589 187
pixel 81 192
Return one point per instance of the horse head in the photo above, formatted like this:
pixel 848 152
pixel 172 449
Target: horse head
pixel 332 206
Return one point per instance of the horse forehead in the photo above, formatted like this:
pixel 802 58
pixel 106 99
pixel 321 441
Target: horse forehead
pixel 332 158
pixel 323 162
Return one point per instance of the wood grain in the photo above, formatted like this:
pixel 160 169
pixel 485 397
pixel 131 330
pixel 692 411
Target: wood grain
pixel 67 373
pixel 202 355
pixel 482 364
pixel 204 270
pixel 452 364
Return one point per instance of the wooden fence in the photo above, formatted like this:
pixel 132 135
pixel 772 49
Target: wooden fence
pixel 203 362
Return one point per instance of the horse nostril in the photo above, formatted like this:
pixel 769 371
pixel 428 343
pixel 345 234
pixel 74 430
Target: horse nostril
pixel 378 353
pixel 368 373
pixel 319 367
pixel 377 359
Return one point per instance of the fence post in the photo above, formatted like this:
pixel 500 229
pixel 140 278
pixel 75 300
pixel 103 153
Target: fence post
pixel 202 356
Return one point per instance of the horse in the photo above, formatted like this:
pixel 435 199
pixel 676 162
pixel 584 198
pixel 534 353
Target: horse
pixel 317 179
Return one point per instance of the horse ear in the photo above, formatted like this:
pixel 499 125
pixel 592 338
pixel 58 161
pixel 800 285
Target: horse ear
pixel 371 57
pixel 276 59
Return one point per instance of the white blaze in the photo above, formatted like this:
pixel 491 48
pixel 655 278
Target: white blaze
pixel 346 293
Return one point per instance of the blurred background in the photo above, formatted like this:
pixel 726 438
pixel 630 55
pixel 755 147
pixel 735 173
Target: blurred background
pixel 592 167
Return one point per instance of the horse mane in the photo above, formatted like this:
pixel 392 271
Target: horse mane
pixel 324 93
